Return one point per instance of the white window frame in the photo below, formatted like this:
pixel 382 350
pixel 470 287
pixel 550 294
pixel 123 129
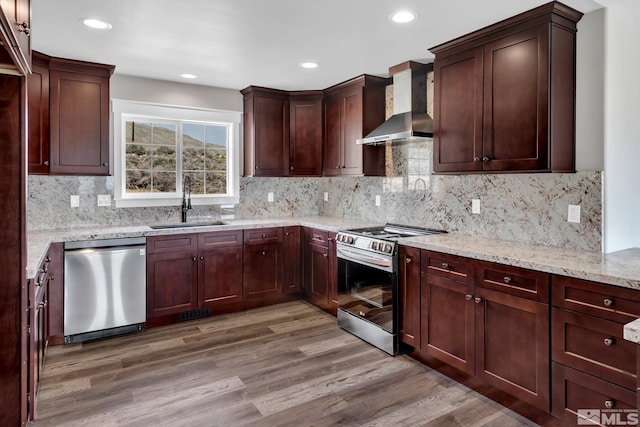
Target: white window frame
pixel 121 109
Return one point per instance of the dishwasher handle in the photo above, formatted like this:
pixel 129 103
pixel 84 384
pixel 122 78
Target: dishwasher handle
pixel 110 249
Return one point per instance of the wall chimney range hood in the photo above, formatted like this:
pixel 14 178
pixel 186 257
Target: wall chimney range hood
pixel 410 120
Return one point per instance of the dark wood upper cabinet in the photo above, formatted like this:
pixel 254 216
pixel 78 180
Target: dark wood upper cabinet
pixel 38 104
pixel 15 35
pixel 351 110
pixel 79 117
pixel 505 95
pixel 305 133
pixel 266 132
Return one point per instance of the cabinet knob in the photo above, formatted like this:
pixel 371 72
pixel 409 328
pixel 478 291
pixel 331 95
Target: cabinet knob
pixel 264 253
pixel 46 163
pixel 324 255
pixel 105 164
pixel 609 341
pixel 445 265
pixel 485 159
pixel 507 279
pixel 476 159
pixel 23 27
pixel 264 235
pixel 478 300
pixel 468 297
pixel 201 258
pixel 609 404
pixel 286 233
pixel 408 260
pixel 607 302
pixel 195 258
pixel 51 278
pixel 290 167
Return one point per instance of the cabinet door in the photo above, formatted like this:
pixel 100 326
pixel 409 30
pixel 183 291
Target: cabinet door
pixel 318 275
pixel 262 271
pixel 172 283
pixel 447 315
pixel 333 274
pixel 516 98
pixel 79 123
pixel 292 259
pixel 271 136
pixel 220 276
pixel 512 345
pixel 305 137
pixel 38 100
pixel 457 133
pixel 409 298
pixel 55 293
pixel 351 130
pixel 333 155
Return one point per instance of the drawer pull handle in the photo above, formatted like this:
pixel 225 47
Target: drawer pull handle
pixel 264 235
pixel 609 342
pixel 609 404
pixel 408 260
pixel 608 302
pixel 478 300
pixel 445 265
pixel 468 297
pixel 507 279
pixel 264 253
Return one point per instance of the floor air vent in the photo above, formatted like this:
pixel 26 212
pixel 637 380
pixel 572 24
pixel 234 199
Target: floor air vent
pixel 194 314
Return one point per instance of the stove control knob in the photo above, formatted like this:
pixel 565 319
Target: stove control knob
pixel 350 240
pixel 374 246
pixel 387 248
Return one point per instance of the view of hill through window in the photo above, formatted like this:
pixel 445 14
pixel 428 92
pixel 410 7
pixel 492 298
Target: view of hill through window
pixel 154 151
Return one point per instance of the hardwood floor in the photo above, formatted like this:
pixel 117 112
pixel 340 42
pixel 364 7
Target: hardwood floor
pixel 282 365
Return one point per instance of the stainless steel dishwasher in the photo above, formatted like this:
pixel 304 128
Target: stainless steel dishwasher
pixel 104 288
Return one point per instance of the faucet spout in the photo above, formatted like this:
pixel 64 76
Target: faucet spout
pixel 186 200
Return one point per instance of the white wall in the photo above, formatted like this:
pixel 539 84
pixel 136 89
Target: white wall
pixel 622 125
pixel 172 93
pixel 590 92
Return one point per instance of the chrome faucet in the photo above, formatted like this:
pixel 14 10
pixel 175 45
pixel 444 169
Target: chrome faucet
pixel 186 201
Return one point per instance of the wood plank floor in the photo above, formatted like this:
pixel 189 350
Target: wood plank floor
pixel 283 365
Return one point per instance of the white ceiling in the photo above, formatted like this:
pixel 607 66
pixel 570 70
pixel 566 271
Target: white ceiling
pixel 237 43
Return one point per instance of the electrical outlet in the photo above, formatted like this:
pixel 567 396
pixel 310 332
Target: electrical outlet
pixel 326 196
pixel 377 200
pixel 74 200
pixel 104 200
pixel 475 206
pixel 573 213
pixel 269 197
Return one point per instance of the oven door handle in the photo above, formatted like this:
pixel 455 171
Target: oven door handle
pixel 347 254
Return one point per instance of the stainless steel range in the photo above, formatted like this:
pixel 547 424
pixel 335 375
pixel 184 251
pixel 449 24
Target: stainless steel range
pixel 368 282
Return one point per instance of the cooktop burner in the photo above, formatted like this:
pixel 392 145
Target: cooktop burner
pixel 380 239
pixel 393 231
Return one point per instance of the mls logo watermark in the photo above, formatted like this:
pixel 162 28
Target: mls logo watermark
pixel 608 417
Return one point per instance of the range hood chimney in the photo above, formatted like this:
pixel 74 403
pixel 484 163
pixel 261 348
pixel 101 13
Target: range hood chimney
pixel 410 120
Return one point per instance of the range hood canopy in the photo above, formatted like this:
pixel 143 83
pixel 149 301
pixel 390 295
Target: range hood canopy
pixel 410 120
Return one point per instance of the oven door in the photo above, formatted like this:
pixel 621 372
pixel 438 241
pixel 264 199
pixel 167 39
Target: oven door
pixel 369 292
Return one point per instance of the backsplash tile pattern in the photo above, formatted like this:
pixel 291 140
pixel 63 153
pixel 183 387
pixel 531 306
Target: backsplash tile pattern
pixel 528 208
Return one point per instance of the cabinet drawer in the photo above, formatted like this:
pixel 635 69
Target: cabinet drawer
pixel 449 266
pixel 219 239
pixel 318 237
pixel 172 243
pixel 593 345
pixel 513 280
pixel 607 301
pixel 574 390
pixel 262 235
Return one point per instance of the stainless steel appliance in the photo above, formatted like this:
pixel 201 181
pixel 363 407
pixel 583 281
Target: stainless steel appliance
pixel 368 282
pixel 104 288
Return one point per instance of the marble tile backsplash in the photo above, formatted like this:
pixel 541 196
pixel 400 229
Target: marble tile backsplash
pixel 528 208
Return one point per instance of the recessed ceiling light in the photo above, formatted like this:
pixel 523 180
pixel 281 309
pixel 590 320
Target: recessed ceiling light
pixel 96 23
pixel 309 65
pixel 188 76
pixel 403 16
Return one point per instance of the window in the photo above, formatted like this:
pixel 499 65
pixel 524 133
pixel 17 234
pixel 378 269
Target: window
pixel 156 147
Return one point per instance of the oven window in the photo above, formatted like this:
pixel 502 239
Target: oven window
pixel 367 292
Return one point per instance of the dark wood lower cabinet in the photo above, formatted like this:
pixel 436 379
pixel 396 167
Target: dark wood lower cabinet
pixel 292 260
pixel 512 345
pixel 409 295
pixel 447 328
pixel 220 276
pixel 262 275
pixel 172 283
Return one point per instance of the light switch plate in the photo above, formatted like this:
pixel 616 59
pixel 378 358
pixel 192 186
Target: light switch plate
pixel 269 197
pixel 326 196
pixel 74 201
pixel 475 206
pixel 104 200
pixel 573 214
pixel 377 200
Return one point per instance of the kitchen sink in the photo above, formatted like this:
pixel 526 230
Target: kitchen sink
pixel 187 225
